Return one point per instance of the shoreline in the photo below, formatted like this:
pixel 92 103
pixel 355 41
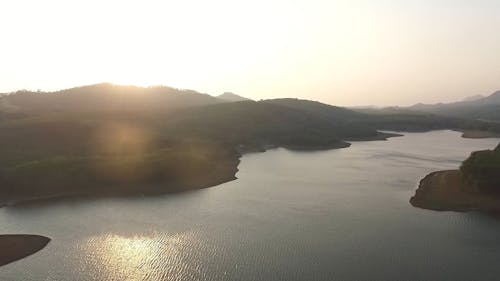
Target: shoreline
pixel 448 191
pixel 15 247
pixel 229 174
pixel 223 174
pixel 475 134
pixel 381 136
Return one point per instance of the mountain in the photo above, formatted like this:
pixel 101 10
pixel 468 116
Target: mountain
pixel 485 108
pixel 285 122
pixel 104 97
pixel 231 97
pixel 118 140
pixel 473 98
pixel 320 109
pixel 146 152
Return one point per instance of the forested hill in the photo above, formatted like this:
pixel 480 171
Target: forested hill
pixel 482 170
pixel 104 97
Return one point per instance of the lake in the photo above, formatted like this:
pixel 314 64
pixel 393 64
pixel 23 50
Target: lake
pixel 329 215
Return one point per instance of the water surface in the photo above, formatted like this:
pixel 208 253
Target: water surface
pixel 329 215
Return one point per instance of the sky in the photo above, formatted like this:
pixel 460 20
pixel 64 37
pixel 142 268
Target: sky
pixel 344 52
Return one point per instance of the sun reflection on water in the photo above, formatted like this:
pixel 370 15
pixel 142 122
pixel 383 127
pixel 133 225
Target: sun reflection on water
pixel 156 257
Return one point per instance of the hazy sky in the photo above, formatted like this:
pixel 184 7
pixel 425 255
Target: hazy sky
pixel 382 52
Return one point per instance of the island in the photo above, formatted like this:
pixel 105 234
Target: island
pixel 17 246
pixel 474 187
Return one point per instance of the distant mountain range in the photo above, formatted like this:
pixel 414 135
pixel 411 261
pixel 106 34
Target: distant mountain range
pixel 477 107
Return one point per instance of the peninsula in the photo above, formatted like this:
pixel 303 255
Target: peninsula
pixel 474 187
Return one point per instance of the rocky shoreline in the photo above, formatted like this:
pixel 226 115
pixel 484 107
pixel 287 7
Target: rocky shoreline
pixel 448 191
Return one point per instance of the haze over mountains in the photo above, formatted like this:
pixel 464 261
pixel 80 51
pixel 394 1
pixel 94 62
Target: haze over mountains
pixel 486 108
pixel 474 107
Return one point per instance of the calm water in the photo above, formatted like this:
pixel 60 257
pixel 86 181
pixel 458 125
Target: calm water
pixel 331 215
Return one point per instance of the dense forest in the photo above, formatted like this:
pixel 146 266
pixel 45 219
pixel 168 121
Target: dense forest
pixel 482 170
